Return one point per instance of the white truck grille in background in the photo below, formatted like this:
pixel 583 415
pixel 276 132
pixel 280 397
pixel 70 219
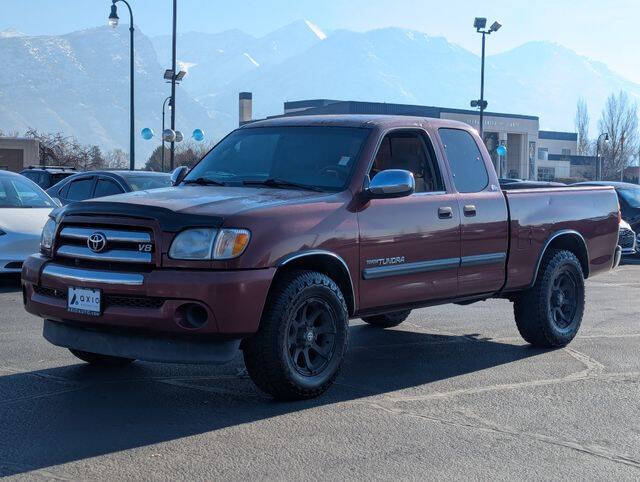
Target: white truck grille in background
pixel 104 244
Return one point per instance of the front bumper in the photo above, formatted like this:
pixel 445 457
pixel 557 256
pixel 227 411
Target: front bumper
pixel 140 346
pixel 151 302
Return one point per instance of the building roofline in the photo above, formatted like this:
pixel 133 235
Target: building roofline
pixel 558 135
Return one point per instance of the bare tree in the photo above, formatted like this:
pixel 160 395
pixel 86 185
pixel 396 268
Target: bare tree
pixel 116 159
pixel 187 154
pixel 582 127
pixel 619 119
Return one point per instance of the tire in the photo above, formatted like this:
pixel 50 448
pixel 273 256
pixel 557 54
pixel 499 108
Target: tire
pixel 298 350
pixel 387 320
pixel 550 313
pixel 97 359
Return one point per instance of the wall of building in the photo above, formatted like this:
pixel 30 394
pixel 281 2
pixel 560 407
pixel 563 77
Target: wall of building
pixel 17 153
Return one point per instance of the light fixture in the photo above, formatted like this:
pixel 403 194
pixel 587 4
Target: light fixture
pixel 479 23
pixel 168 74
pixel 495 26
pixel 180 75
pixel 113 16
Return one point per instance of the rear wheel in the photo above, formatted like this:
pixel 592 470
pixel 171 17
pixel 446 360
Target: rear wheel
pixel 387 320
pixel 550 313
pixel 97 359
pixel 303 336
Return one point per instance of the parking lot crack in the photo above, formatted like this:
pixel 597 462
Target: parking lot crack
pixel 474 422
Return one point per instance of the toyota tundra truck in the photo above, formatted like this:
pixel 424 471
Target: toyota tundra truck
pixel 291 226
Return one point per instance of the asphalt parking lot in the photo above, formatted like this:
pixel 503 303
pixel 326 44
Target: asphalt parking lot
pixel 453 392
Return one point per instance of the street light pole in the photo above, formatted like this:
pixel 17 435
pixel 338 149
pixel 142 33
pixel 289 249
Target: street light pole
pixel 480 23
pixel 598 161
pixel 163 107
pixel 173 83
pixel 113 21
pixel 482 89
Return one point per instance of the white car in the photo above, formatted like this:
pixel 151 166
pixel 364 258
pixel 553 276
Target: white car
pixel 24 209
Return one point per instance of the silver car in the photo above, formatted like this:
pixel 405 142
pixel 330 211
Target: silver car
pixel 24 209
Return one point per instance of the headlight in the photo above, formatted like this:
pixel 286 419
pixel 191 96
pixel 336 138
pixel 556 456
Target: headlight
pixel 203 243
pixel 193 244
pixel 46 239
pixel 230 243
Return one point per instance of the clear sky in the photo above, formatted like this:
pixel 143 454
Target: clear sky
pixel 605 30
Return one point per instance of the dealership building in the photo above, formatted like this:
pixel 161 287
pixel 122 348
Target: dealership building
pixel 531 153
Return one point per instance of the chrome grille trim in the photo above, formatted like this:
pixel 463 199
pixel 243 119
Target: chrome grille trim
pixel 81 275
pixel 111 255
pixel 113 235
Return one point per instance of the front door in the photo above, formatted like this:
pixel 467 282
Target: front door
pixel 410 246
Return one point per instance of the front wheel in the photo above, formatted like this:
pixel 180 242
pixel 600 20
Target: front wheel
pixel 298 350
pixel 550 313
pixel 97 359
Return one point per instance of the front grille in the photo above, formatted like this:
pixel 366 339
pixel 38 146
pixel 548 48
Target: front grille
pixel 626 238
pixel 108 300
pixel 105 247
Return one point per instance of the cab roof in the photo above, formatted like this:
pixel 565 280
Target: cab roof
pixel 357 120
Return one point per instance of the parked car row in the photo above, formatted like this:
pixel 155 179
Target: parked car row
pixel 25 206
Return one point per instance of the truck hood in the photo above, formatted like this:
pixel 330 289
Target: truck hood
pixel 220 201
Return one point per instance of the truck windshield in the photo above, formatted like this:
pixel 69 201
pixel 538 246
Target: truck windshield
pixel 289 157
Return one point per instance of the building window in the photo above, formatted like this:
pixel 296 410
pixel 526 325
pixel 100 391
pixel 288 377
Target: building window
pixel 546 173
pixel 566 152
pixel 543 153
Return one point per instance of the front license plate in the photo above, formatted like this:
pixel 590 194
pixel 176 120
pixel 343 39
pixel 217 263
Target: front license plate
pixel 84 300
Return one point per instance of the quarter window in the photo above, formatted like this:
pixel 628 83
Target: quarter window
pixel 465 160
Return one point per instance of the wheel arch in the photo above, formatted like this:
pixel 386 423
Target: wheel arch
pixel 325 262
pixel 570 240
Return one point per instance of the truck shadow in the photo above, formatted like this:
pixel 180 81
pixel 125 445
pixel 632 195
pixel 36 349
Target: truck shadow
pixel 74 412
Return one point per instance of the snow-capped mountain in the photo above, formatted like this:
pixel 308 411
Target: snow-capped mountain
pixel 78 83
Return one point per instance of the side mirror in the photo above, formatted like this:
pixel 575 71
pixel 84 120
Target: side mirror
pixel 178 175
pixel 391 183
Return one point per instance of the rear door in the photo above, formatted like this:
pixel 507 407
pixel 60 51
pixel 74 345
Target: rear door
pixel 80 188
pixel 483 214
pixel 409 246
pixel 107 187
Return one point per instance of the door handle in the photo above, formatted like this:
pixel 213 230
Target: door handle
pixel 469 210
pixel 445 212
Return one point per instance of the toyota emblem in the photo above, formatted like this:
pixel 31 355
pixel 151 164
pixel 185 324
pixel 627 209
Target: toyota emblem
pixel 97 242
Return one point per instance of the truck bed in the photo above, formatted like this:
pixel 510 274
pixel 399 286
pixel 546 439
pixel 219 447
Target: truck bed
pixel 537 215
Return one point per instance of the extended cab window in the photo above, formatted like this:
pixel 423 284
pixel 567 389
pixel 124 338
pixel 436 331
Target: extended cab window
pixel 320 157
pixel 411 151
pixel 465 161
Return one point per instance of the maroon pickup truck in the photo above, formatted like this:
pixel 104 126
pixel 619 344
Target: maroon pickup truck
pixel 289 227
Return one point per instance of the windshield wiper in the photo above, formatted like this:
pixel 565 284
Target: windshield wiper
pixel 203 181
pixel 274 182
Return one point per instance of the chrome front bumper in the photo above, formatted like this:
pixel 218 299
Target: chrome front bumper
pixel 81 275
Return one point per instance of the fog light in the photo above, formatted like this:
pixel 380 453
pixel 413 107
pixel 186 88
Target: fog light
pixel 191 316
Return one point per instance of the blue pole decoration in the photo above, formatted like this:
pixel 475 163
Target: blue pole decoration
pixel 146 133
pixel 501 150
pixel 198 135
